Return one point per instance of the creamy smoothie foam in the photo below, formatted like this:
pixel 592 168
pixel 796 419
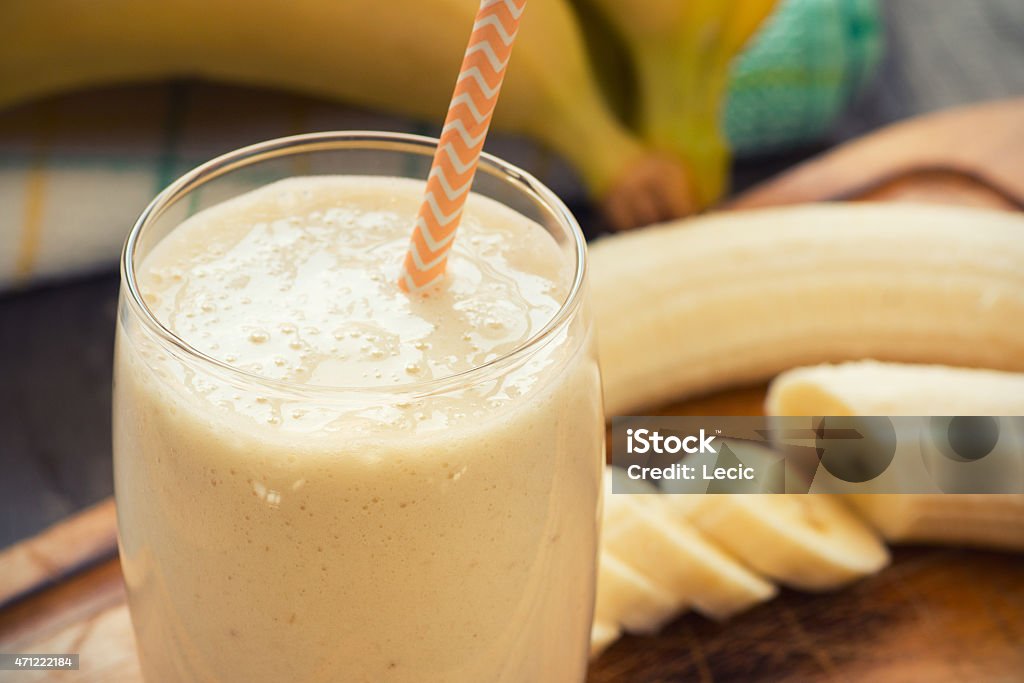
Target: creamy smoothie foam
pixel 407 528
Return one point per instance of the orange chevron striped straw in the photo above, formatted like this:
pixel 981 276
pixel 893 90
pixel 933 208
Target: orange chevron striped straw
pixel 462 139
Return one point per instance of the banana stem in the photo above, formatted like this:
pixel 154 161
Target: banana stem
pixel 682 53
pixel 599 146
pixel 680 107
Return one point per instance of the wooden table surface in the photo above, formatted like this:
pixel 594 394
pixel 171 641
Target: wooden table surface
pixel 937 614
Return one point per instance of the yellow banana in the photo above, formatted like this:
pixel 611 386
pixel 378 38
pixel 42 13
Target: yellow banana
pixel 739 297
pixel 681 53
pixel 401 55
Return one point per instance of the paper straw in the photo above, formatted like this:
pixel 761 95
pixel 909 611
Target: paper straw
pixel 462 139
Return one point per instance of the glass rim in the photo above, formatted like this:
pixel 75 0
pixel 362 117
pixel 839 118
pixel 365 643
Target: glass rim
pixel 523 181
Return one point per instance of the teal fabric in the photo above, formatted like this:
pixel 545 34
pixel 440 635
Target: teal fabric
pixel 801 69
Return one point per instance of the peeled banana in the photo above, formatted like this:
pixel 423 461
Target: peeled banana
pixel 873 388
pixel 869 388
pixel 401 55
pixel 730 298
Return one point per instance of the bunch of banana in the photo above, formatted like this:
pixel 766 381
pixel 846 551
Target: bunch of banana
pixel 403 56
pixel 868 388
pixel 681 54
pixel 732 298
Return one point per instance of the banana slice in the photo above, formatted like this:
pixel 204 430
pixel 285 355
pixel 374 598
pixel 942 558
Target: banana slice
pixel 673 556
pixel 810 542
pixel 626 598
pixel 602 634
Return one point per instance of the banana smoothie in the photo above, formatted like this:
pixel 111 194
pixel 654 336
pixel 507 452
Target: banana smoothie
pixel 323 478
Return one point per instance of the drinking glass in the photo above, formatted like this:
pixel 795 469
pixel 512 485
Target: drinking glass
pixel 258 546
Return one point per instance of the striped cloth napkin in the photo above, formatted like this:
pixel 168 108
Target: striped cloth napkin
pixel 77 170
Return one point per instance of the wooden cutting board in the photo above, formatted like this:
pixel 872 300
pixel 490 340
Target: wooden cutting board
pixel 937 615
pixel 970 156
